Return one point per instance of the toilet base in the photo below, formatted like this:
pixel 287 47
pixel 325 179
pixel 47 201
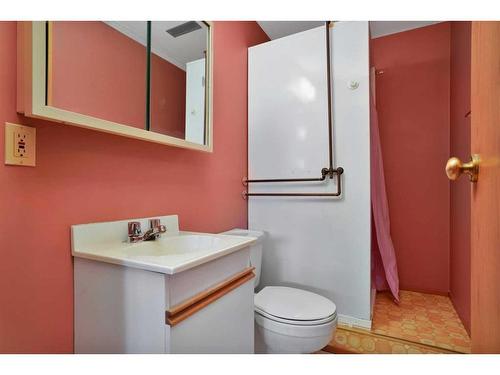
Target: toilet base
pixel 278 338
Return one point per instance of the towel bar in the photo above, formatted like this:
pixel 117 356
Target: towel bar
pixel 324 172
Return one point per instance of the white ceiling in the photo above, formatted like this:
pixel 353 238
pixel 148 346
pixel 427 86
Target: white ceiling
pixel 179 51
pixel 279 29
pixel 382 28
pixel 190 47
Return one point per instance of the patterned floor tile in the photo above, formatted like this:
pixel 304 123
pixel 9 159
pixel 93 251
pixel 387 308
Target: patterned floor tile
pixel 428 318
pixel 350 341
pixel 421 323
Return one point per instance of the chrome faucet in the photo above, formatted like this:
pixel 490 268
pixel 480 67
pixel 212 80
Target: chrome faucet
pixel 135 232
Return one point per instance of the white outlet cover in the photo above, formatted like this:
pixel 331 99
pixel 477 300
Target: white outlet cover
pixel 14 156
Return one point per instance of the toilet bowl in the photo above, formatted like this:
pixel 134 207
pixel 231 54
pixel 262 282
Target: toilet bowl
pixel 291 320
pixel 288 320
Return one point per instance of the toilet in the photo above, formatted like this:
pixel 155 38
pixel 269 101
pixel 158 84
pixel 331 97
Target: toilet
pixel 288 320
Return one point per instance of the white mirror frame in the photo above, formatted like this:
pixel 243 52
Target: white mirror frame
pixel 31 89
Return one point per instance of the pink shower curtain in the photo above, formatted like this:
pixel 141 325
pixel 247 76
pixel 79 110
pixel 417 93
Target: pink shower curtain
pixel 384 266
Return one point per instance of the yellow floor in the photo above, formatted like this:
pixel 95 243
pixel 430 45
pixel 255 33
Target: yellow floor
pixel 421 323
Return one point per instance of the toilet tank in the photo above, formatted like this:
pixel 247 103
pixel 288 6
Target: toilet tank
pixel 255 249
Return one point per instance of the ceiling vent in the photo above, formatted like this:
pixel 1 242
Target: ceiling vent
pixel 184 28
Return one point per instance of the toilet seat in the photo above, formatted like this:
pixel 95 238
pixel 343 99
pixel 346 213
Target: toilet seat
pixel 294 306
pixel 296 322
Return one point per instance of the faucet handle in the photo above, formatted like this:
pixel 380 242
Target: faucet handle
pixel 154 223
pixel 134 228
pixel 156 228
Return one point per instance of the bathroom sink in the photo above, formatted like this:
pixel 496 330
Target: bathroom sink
pixel 173 252
pixel 136 293
pixel 174 245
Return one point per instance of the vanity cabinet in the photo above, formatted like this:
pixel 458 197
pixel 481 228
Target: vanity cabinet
pixel 204 309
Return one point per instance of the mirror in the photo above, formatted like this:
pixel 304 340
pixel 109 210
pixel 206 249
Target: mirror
pixel 178 66
pixel 96 70
pixel 143 79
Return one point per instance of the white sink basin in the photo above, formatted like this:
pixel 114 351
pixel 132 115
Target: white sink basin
pixel 174 245
pixel 173 252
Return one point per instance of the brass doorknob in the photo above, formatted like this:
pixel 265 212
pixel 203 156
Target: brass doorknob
pixel 455 168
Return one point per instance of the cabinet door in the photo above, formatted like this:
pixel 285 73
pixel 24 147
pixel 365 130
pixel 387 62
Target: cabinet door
pixel 118 309
pixel 224 326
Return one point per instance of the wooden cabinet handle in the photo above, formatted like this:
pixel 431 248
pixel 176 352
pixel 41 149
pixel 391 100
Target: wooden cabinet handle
pixel 185 309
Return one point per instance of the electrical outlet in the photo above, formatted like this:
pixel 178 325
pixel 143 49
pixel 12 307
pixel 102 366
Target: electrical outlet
pixel 20 142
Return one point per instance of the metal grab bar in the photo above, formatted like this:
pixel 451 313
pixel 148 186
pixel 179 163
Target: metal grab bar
pixel 325 172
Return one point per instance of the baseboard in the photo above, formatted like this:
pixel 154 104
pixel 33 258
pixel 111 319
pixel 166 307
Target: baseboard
pixel 331 349
pixel 350 321
pixel 424 291
pixel 373 296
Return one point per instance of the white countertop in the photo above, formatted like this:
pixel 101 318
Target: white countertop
pixel 173 252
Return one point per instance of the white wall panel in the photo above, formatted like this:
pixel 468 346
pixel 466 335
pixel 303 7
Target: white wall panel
pixel 288 134
pixel 195 101
pixel 319 244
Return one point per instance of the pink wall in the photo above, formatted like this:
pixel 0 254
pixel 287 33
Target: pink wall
pixel 168 98
pixel 87 72
pixel 460 189
pixel 413 101
pixel 85 176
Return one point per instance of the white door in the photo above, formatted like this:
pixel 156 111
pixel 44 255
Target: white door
pixel 195 101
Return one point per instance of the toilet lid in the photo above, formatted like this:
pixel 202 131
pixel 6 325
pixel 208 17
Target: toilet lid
pixel 293 304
